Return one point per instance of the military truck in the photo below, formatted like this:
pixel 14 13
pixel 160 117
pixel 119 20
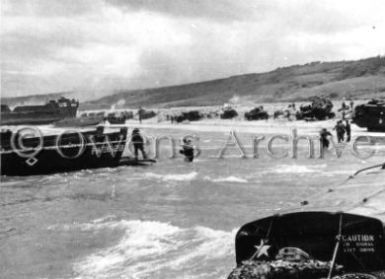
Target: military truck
pixel 193 115
pixel 319 109
pixel 370 115
pixel 228 112
pixel 257 113
pixel 146 114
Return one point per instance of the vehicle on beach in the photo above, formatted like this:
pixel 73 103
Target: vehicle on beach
pixel 370 115
pixel 257 113
pixel 113 118
pixel 228 112
pixel 319 109
pixel 311 245
pixel 65 152
pixel 193 115
pixel 43 114
pixel 146 114
pixel 119 117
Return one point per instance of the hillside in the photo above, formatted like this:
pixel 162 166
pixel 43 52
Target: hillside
pixel 351 79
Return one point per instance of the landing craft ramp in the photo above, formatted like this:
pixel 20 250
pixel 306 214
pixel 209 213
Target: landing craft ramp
pixel 362 245
pixel 334 233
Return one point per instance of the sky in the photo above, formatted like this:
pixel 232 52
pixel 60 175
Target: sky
pixel 107 45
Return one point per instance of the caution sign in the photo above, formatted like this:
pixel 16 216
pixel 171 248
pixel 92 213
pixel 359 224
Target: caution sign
pixel 358 243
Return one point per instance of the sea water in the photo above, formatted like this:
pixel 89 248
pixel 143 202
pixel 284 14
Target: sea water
pixel 172 219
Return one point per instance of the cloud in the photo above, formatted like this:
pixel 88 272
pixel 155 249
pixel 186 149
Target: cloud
pixel 107 45
pixel 224 10
pixel 50 8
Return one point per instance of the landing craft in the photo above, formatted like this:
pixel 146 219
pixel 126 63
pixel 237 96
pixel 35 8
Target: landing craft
pixel 43 114
pixel 304 244
pixel 318 244
pixel 62 153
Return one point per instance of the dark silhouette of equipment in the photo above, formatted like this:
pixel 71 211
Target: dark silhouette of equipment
pixel 257 113
pixel 193 115
pixel 228 112
pixel 310 245
pixel 41 114
pixel 60 153
pixel 319 109
pixel 370 115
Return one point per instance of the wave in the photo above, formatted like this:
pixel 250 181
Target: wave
pixel 173 177
pixel 303 170
pixel 227 179
pixel 297 169
pixel 152 249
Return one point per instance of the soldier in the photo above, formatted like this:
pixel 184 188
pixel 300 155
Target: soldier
pixel 340 131
pixel 348 130
pixel 140 112
pixel 324 138
pixel 138 143
pixel 343 108
pixel 187 150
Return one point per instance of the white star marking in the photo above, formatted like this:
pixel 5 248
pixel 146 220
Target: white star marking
pixel 262 249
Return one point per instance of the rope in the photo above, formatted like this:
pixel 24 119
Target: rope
pixel 305 202
pixel 365 169
pixel 367 198
pixel 335 252
pixel 330 190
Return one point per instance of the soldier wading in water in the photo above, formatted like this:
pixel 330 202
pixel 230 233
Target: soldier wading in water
pixel 138 143
pixel 187 150
pixel 324 138
pixel 340 130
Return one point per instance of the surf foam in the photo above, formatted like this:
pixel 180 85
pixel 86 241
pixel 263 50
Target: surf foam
pixel 151 249
pixel 299 169
pixel 227 179
pixel 173 177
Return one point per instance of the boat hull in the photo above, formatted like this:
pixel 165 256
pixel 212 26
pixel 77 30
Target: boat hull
pixel 311 245
pixel 69 154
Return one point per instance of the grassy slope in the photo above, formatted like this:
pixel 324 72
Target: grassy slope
pixel 358 79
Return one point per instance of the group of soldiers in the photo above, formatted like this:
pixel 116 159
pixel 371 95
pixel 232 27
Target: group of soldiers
pixel 342 127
